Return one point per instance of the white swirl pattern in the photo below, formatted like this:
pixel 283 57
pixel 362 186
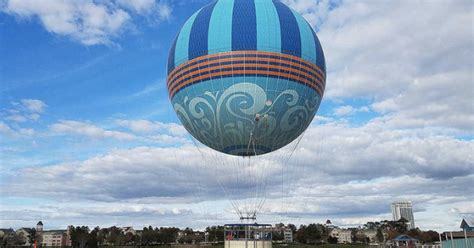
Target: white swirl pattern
pixel 243 120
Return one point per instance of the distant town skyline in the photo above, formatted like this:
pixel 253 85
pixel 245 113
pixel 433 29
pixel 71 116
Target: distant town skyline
pixel 88 135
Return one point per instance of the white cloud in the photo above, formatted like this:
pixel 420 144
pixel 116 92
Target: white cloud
pixel 142 130
pixel 5 128
pixel 34 117
pixel 146 126
pixel 26 131
pixel 85 21
pixel 429 102
pixel 16 131
pixel 347 173
pixel 146 7
pixel 25 110
pixel 417 67
pixel 164 11
pixel 373 150
pixel 58 215
pixel 166 139
pixel 34 105
pixel 16 118
pixel 315 12
pixel 140 6
pixel 89 22
pixel 349 110
pixel 89 130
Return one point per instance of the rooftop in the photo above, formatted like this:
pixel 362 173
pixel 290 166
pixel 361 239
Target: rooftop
pixel 467 222
pixel 404 237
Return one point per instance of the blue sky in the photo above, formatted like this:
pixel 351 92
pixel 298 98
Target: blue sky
pixel 87 130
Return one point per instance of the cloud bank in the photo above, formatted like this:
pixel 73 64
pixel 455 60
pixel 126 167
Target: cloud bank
pixel 88 22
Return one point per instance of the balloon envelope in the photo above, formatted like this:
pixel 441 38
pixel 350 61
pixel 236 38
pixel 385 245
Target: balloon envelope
pixel 246 77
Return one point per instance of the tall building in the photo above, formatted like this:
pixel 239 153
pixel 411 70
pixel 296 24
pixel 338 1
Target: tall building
pixel 39 233
pixel 403 209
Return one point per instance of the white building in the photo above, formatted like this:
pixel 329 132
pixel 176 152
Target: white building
pixel 288 235
pixel 403 209
pixel 344 236
pixel 128 229
pixel 54 238
pixel 371 235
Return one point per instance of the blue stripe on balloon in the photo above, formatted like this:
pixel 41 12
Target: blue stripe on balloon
pixel 220 27
pixel 308 51
pixel 290 32
pixel 171 56
pixel 182 42
pixel 268 27
pixel 244 26
pixel 198 42
pixel 320 60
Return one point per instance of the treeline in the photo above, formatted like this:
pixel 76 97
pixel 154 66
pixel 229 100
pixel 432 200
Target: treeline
pixel 392 229
pixel 385 230
pixel 81 236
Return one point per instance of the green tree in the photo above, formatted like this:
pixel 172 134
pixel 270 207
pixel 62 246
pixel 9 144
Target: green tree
pixel 332 240
pixel 309 234
pixel 313 233
pixel 324 232
pixel 278 235
pixel 115 236
pixel 216 233
pixel 92 239
pixel 292 227
pixel 169 234
pixel 300 234
pixel 79 236
pixel 101 236
pixel 130 238
pixel 429 236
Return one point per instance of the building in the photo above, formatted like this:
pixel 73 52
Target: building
pixel 344 236
pixel 287 235
pixel 39 227
pixel 39 233
pixel 467 225
pixel 5 232
pixel 371 235
pixel 457 239
pixel 329 224
pixel 54 238
pixel 128 230
pixel 403 209
pixel 24 233
pixel 404 240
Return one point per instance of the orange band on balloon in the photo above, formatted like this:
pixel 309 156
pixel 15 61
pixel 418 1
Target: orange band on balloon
pixel 250 72
pixel 210 56
pixel 175 74
pixel 319 83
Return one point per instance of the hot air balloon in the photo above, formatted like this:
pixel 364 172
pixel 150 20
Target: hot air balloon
pixel 246 78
